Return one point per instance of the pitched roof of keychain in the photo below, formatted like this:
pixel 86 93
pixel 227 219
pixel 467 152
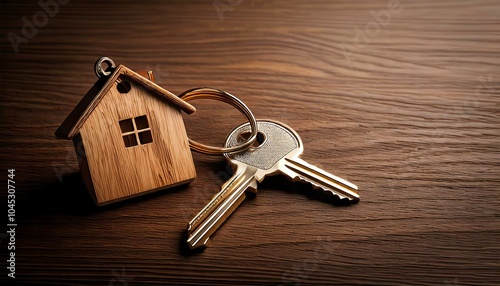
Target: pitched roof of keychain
pixel 71 126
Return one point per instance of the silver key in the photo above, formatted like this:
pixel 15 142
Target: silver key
pixel 278 153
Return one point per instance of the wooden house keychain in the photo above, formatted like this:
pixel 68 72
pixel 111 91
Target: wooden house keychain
pixel 129 135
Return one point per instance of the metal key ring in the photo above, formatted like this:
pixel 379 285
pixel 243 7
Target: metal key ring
pixel 220 95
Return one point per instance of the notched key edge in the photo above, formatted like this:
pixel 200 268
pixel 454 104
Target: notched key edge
pixel 303 171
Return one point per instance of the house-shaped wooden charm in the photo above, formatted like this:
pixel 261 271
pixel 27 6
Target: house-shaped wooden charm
pixel 129 137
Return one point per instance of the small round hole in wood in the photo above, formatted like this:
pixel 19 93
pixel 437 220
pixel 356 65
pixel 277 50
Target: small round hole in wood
pixel 123 86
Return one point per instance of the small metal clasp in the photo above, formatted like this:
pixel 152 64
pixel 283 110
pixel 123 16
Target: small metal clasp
pixel 99 71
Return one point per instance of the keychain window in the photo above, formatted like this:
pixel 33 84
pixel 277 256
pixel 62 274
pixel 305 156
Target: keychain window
pixel 136 131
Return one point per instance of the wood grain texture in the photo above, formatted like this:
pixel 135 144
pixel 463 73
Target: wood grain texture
pixel 410 114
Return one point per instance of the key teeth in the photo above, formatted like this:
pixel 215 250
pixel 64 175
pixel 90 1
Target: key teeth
pixel 299 178
pixel 252 187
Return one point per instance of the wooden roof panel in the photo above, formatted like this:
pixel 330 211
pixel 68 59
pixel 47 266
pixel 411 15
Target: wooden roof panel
pixel 71 126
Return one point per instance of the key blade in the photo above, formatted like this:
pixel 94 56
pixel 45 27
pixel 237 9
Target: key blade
pixel 298 169
pixel 237 178
pixel 200 236
pixel 230 197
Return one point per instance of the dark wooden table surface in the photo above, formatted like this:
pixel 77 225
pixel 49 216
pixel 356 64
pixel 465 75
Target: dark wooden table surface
pixel 401 98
